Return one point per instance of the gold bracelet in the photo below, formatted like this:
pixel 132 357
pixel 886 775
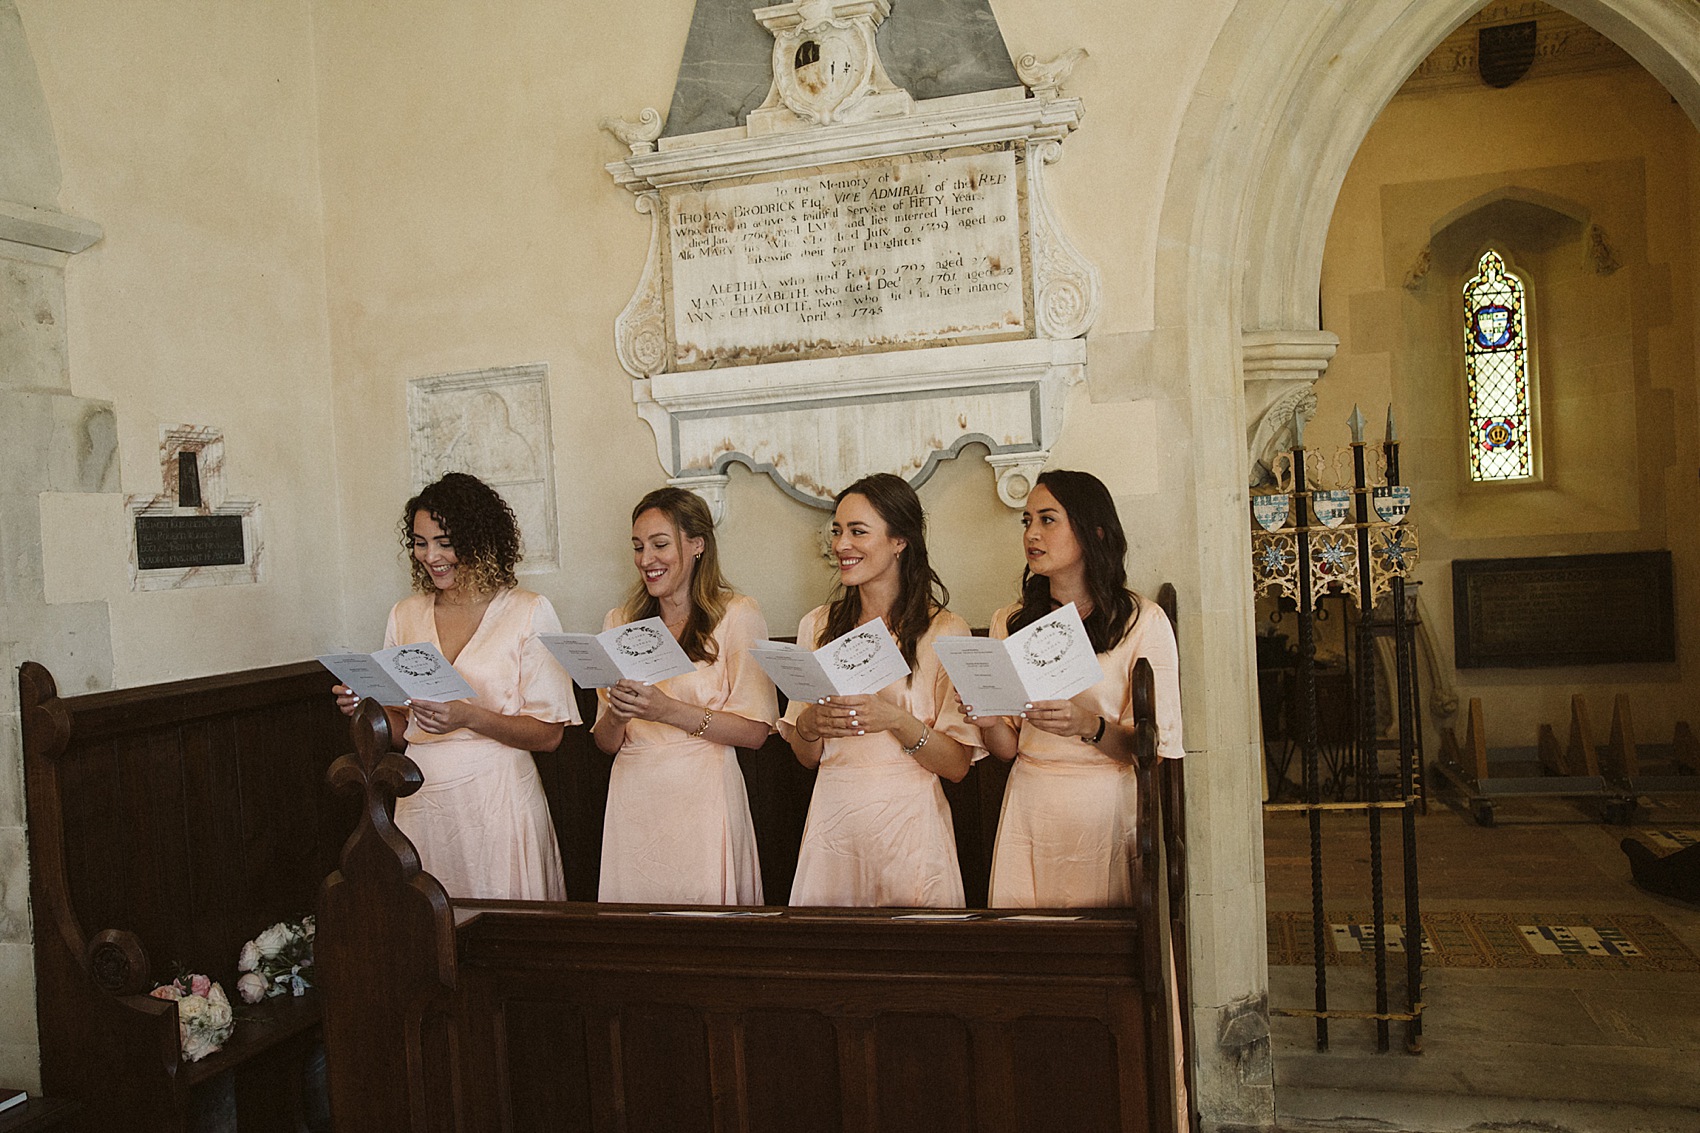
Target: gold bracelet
pixel 707 715
pixel 926 734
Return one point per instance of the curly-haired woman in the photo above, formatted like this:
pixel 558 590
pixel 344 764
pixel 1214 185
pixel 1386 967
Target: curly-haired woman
pixel 481 821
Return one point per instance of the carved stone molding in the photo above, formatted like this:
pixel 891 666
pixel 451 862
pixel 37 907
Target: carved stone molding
pixel 1045 79
pixel 639 135
pixel 816 426
pixel 1066 286
pixel 855 282
pixel 1280 368
pixel 640 331
pixel 826 66
pixel 710 486
pixel 45 228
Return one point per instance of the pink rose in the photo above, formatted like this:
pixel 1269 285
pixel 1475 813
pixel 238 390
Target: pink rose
pixel 199 985
pixel 167 991
pixel 251 987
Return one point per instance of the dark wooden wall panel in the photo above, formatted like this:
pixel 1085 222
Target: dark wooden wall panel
pixel 1066 1077
pixel 548 1067
pixel 925 1070
pixel 791 1072
pixel 664 1069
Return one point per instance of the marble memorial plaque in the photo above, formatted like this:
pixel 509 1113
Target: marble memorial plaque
pixel 170 541
pixel 1531 613
pixel 496 425
pixel 911 250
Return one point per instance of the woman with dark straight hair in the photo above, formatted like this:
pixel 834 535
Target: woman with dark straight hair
pixel 481 821
pixel 1067 828
pixel 677 826
pixel 879 830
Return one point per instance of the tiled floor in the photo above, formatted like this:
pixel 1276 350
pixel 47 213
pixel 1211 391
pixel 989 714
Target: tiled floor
pixel 1507 1049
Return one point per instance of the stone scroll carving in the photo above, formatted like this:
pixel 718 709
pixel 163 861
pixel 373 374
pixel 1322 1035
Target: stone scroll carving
pixel 855 281
pixel 1281 369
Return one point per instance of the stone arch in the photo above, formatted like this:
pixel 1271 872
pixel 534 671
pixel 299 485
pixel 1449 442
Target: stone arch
pixel 1280 107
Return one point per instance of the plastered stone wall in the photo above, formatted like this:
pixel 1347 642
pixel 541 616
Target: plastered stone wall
pixel 1614 350
pixel 309 202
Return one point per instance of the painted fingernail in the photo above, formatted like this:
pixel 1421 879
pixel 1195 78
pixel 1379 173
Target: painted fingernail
pixel 861 733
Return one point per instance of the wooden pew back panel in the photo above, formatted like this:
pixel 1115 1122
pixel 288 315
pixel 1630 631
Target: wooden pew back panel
pixel 168 825
pixel 844 1020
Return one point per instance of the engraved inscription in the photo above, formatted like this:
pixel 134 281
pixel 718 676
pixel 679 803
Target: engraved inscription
pixel 165 542
pixel 898 252
pixel 1563 610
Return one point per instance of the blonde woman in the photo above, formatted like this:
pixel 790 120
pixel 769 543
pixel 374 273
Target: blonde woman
pixel 677 828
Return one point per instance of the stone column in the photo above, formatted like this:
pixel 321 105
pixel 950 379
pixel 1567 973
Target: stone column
pixel 50 441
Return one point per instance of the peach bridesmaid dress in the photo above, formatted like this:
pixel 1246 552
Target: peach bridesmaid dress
pixel 481 822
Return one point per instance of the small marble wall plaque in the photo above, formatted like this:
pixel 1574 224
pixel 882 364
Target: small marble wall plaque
pixel 494 424
pixel 1531 613
pixel 912 250
pixel 164 542
pixel 191 533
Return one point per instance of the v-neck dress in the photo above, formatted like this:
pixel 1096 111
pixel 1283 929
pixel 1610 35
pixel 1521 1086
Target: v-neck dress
pixel 677 828
pixel 481 821
pixel 879 830
pixel 1066 832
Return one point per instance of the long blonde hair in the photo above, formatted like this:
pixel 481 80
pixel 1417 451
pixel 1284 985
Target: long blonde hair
pixel 710 592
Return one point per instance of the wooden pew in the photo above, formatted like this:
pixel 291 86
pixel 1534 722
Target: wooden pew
pixel 474 1015
pixel 170 824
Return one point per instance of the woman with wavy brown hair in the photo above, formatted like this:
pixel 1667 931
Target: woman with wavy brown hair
pixel 879 829
pixel 1067 826
pixel 677 827
pixel 481 822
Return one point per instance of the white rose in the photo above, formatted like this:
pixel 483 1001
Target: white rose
pixel 198 1044
pixel 190 1009
pixel 251 987
pixel 218 1008
pixel 274 940
pixel 250 958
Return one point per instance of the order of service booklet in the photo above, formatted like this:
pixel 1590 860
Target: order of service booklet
pixel 1052 659
pixel 643 651
pixel 399 674
pixel 864 660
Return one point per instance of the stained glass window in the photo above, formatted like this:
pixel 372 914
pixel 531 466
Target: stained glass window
pixel 1496 368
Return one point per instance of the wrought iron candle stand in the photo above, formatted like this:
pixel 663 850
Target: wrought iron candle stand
pixel 1309 541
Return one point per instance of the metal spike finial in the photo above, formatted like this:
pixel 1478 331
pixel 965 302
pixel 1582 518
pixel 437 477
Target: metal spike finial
pixel 1299 426
pixel 1392 433
pixel 1356 423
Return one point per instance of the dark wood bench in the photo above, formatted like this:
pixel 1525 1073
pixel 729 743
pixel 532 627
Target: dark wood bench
pixel 473 1015
pixel 170 824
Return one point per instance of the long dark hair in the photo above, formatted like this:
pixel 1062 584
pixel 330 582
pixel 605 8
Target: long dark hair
pixel 710 593
pixel 920 593
pixel 1098 529
pixel 480 524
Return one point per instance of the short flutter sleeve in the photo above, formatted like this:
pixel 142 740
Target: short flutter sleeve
pixel 545 689
pixel 749 692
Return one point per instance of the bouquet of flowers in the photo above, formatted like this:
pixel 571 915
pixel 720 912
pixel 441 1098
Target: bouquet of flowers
pixel 203 1014
pixel 277 961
